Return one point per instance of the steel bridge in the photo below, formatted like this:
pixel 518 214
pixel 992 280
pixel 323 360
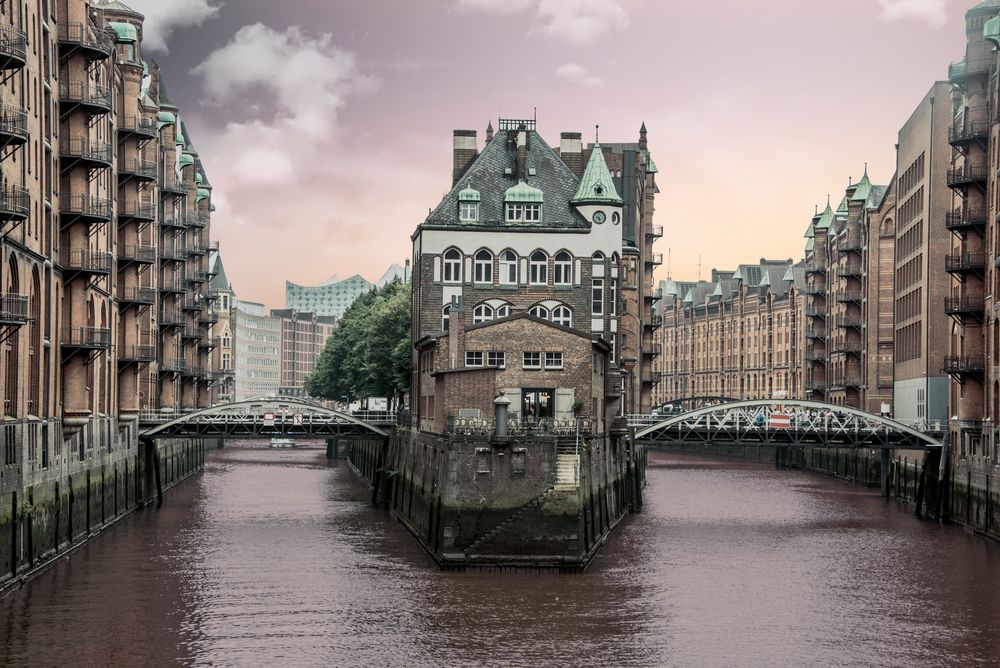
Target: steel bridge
pixel 265 418
pixel 772 422
pixel 690 403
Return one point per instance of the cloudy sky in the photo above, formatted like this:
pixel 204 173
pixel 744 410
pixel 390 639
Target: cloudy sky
pixel 325 125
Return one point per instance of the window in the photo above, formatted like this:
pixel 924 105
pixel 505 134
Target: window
pixel 508 268
pixel 539 268
pixel 614 350
pixel 468 212
pixel 561 315
pixel 473 358
pixel 562 273
pixel 524 213
pixel 539 311
pixel 613 306
pixel 484 267
pixel 553 360
pixel 444 317
pixel 496 358
pixel 597 299
pixel 452 266
pixel 531 360
pixel 503 310
pixel 482 313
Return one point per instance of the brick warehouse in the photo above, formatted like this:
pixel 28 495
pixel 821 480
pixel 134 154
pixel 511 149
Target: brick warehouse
pixel 106 211
pixel 532 286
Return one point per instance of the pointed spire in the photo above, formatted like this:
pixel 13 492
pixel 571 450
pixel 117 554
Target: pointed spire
pixel 597 136
pixel 596 184
pixel 489 131
pixel 642 137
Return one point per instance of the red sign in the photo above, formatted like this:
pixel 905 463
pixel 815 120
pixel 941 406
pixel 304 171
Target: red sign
pixel 779 421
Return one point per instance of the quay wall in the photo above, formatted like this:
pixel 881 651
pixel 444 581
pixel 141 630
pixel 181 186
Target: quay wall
pixel 486 502
pixel 56 493
pixel 966 492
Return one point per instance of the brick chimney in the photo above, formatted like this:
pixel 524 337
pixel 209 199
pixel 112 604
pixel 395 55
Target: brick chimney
pixel 465 151
pixel 571 151
pixel 522 153
pixel 456 333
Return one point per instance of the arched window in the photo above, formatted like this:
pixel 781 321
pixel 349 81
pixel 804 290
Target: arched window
pixel 614 258
pixel 561 315
pixel 539 311
pixel 452 266
pixel 484 267
pixel 482 313
pixel 562 271
pixel 503 310
pixel 508 268
pixel 445 313
pixel 539 268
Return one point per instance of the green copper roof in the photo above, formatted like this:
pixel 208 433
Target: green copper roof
pixel 789 275
pixel 468 194
pixel 843 205
pixel 825 218
pixel 202 194
pixel 864 186
pixel 765 280
pixel 991 30
pixel 211 207
pixel 718 290
pixel 186 160
pixel 596 185
pixel 198 178
pixel 124 32
pixel 810 231
pixel 651 166
pixel 165 118
pixel 810 245
pixel 522 192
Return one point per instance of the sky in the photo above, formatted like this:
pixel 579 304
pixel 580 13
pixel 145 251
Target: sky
pixel 325 126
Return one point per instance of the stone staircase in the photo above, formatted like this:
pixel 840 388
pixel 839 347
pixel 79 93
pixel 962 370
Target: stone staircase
pixel 567 472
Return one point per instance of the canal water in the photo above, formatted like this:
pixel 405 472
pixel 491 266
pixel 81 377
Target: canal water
pixel 276 558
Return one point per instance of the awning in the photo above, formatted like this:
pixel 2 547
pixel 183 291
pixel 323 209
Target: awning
pixel 165 118
pixel 202 194
pixel 186 160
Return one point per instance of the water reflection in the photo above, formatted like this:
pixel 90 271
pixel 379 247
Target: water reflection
pixel 275 557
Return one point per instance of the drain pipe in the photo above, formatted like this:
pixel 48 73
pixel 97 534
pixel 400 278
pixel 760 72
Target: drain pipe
pixel 500 407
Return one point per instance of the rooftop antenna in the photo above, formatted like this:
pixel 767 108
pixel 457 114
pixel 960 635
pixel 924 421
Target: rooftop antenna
pixel 699 267
pixel 597 134
pixel 669 275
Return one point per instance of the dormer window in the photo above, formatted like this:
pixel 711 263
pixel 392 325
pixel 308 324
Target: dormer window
pixel 523 204
pixel 468 205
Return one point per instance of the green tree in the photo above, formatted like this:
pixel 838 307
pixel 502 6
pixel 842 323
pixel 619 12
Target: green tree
pixel 369 352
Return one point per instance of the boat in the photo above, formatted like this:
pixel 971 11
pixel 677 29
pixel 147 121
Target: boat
pixel 282 442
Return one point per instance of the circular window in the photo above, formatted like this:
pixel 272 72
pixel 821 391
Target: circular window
pixel 615 218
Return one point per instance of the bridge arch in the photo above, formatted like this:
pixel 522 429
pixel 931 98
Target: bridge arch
pixel 246 419
pixel 816 424
pixel 695 402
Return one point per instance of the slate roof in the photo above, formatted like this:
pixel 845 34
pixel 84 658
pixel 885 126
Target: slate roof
pixel 119 8
pixel 220 281
pixel 486 174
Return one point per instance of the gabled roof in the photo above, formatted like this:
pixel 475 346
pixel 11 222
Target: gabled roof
pixel 119 8
pixel 494 171
pixel 876 196
pixel 596 184
pixel 825 218
pixel 862 188
pixel 220 281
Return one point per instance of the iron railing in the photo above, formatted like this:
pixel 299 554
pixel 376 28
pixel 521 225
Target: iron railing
pixel 89 262
pixel 13 46
pixel 13 309
pixel 83 92
pixel 14 124
pixel 964 364
pixel 964 305
pixel 96 338
pixel 966 175
pixel 15 202
pixel 83 35
pixel 965 261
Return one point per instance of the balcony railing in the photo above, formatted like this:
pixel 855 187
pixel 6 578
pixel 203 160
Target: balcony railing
pixel 173 254
pixel 967 69
pixel 13 47
pixel 655 321
pixel 965 261
pixel 967 132
pixel 197 248
pixel 89 262
pixel 138 295
pixel 816 333
pixel 967 175
pixel 13 125
pixel 13 309
pixel 852 347
pixel 173 221
pixel 171 318
pixel 961 219
pixel 96 98
pixel 138 354
pixel 815 384
pixel 141 253
pixel 196 220
pixel 97 43
pixel 848 381
pixel 93 338
pixel 144 170
pixel 654 295
pixel 966 305
pixel 191 332
pixel 173 286
pixel 849 244
pixel 815 267
pixel 193 304
pixel 136 210
pixel 142 125
pixel 197 277
pixel 815 311
pixel 964 364
pixel 851 271
pixel 849 296
pixel 851 321
pixel 83 149
pixel 171 187
pixel 655 259
pixel 655 231
pixel 209 343
pixel 815 355
pixel 86 206
pixel 176 364
pixel 15 202
pixel 209 317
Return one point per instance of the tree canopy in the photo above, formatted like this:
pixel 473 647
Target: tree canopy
pixel 368 354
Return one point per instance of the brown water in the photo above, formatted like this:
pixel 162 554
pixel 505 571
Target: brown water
pixel 275 557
